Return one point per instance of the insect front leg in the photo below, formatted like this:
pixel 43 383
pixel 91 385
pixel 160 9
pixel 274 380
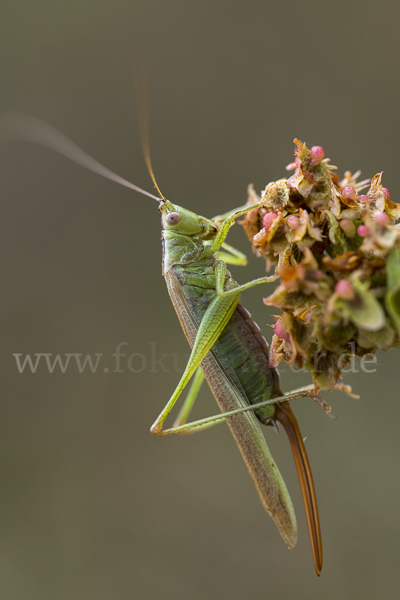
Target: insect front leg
pixel 229 221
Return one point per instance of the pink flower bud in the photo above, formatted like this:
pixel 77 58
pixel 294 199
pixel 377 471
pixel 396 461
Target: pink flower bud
pixel 317 154
pixel 344 290
pixel 363 231
pixel 349 192
pixel 386 193
pixel 280 331
pixel 348 227
pixel 293 222
pixel 268 220
pixel 382 219
pixel 363 199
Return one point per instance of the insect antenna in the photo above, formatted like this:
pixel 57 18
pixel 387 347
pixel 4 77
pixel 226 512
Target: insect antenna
pixel 142 98
pixel 21 127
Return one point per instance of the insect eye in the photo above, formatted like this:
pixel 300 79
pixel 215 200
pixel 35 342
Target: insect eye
pixel 173 218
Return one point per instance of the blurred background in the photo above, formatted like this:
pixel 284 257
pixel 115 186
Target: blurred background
pixel 91 504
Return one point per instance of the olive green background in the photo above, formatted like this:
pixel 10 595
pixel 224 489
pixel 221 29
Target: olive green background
pixel 92 506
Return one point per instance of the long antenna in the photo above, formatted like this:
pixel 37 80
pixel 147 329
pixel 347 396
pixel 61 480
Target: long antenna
pixel 142 98
pixel 22 127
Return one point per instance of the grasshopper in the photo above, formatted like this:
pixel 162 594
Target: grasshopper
pixel 228 349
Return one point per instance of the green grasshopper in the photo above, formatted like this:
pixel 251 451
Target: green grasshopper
pixel 228 349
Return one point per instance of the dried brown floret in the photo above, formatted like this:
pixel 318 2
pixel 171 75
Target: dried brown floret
pixel 339 265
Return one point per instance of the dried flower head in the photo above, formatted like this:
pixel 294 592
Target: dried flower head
pixel 337 253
